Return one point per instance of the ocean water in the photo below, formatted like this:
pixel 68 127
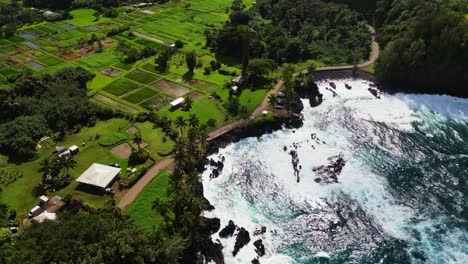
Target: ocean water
pixel 401 197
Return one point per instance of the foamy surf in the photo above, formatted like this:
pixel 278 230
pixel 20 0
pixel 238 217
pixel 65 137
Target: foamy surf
pixel 257 186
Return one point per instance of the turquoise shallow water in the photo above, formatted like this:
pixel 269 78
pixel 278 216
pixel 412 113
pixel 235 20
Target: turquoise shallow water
pixel 401 197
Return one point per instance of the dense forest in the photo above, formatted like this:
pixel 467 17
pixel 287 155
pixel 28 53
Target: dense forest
pixel 424 41
pixel 293 30
pixel 38 105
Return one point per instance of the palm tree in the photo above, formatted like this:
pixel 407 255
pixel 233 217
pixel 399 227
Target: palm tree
pixel 188 103
pixel 180 124
pixel 193 121
pixel 138 140
pixel 192 179
pixel 272 100
pixel 67 163
pixel 203 138
pixel 48 168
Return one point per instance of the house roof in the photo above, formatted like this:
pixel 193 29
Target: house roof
pixel 99 175
pixel 45 216
pixel 177 101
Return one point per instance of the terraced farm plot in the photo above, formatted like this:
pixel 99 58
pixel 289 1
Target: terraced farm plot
pixel 8 72
pixel 171 88
pixel 121 86
pixel 157 103
pixel 49 60
pixel 140 95
pixel 142 77
pixel 36 65
pixel 101 60
pixel 84 17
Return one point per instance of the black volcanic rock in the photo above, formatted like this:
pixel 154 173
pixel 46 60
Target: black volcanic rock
pixel 255 261
pixel 209 226
pixel 259 248
pixel 242 239
pixel 228 230
pixel 329 173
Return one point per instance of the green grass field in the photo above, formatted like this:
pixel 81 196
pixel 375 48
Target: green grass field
pixel 121 86
pixel 49 60
pixel 140 95
pixel 101 60
pixel 84 17
pixel 142 77
pixel 140 210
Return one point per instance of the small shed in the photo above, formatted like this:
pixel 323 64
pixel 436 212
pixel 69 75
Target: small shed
pixel 177 102
pixel 51 15
pixel 74 149
pixel 44 199
pixel 45 216
pixel 265 112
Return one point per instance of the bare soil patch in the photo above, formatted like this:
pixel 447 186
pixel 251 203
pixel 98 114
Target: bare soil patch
pixel 122 151
pixel 195 95
pixel 171 88
pixel 132 130
pixel 71 54
pixel 111 72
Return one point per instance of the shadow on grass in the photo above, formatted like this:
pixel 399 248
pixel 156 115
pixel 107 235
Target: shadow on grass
pixel 188 76
pixel 90 189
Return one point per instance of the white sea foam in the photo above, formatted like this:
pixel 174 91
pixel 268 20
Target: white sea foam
pixel 263 165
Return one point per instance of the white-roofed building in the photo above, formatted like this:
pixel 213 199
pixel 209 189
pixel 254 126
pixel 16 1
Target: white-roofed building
pixel 99 175
pixel 177 102
pixel 45 216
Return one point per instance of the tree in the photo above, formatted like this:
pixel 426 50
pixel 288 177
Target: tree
pixel 288 82
pixel 180 123
pixel 193 121
pixel 191 60
pixel 244 112
pixel 211 123
pixel 66 162
pixel 163 59
pixel 179 44
pixel 272 100
pixel 49 169
pixel 138 140
pixel 187 103
pixel 260 67
pixel 244 32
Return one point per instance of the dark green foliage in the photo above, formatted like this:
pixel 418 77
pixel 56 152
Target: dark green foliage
pixel 288 31
pixel 117 30
pixel 13 16
pixel 179 44
pixel 37 105
pixel 425 42
pixel 101 237
pixel 258 68
pixel 138 157
pixel 191 60
pixel 232 106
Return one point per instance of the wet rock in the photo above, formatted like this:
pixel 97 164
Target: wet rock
pixel 374 92
pixel 333 85
pixel 295 163
pixel 348 86
pixel 255 261
pixel 259 248
pixel 260 231
pixel 285 148
pixel 208 205
pixel 211 251
pixel 209 226
pixel 217 167
pixel 228 230
pixel 331 91
pixel 242 239
pixel 329 173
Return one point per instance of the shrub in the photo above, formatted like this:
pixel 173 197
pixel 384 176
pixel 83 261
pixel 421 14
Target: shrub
pixel 138 157
pixel 179 44
pixel 117 30
pixel 207 70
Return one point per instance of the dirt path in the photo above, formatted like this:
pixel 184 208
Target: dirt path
pixel 168 164
pixel 132 193
pixel 141 35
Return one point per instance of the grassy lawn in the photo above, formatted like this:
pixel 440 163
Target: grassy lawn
pixel 121 86
pixel 154 137
pixel 140 95
pixel 49 60
pixel 84 17
pixel 140 210
pixel 204 108
pixel 98 83
pixel 20 195
pixel 142 77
